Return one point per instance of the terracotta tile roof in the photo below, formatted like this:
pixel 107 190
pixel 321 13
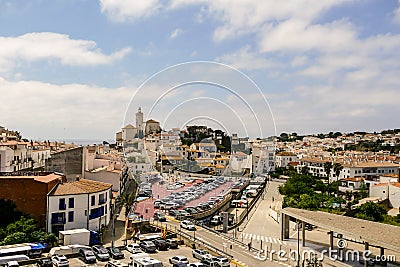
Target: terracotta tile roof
pixel 285 153
pixel 371 164
pixel 353 179
pixel 44 179
pixel 396 184
pixel 83 186
pixel 380 184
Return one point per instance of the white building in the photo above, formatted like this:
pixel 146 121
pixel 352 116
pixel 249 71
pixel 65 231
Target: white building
pixel 371 170
pixel 239 162
pixel 263 157
pixel 389 191
pixel 6 159
pixel 128 133
pixel 21 156
pixel 79 204
pixel 282 159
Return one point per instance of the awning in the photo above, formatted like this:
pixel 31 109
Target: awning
pixel 36 246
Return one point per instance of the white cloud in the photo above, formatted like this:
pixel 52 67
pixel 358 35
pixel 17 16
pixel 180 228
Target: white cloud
pixel 299 61
pixel 396 14
pixel 249 16
pixel 244 59
pixel 124 10
pixel 175 33
pixel 48 110
pixel 46 45
pixel 298 35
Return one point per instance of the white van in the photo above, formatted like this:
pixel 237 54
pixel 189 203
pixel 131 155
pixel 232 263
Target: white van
pixel 146 262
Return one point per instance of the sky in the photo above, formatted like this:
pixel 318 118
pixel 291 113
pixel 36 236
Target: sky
pixel 80 69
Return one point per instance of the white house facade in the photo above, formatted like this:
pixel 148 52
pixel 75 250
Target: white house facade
pixel 79 204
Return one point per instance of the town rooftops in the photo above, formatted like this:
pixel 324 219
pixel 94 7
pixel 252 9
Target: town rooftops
pixel 353 179
pixel 285 153
pixel 151 121
pixel 370 164
pixel 40 178
pixel 82 186
pixel 396 184
pixel 316 159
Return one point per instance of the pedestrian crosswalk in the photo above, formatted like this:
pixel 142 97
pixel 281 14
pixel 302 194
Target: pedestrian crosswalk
pixel 268 239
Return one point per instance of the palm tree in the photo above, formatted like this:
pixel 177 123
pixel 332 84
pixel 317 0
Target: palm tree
pixel 328 168
pixel 337 168
pixel 127 201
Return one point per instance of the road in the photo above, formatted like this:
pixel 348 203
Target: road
pixel 239 251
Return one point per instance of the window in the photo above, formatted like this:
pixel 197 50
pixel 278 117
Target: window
pixel 71 202
pixel 61 204
pixel 70 216
pixel 102 199
pixel 105 209
pixel 58 218
pixel 93 200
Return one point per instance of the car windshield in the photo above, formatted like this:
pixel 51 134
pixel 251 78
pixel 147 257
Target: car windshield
pixel 116 250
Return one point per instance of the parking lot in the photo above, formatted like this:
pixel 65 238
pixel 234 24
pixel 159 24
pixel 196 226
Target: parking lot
pixel 162 256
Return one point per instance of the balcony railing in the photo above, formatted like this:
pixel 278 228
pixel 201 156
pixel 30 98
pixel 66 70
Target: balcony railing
pixel 96 214
pixel 58 220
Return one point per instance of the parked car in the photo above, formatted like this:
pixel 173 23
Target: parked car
pixel 159 216
pixel 12 264
pixel 148 246
pixel 44 262
pixel 134 248
pixel 117 264
pixel 222 261
pixel 161 244
pixel 101 253
pixel 115 253
pixel 60 261
pixel 188 225
pixel 216 220
pixel 200 254
pixel 86 255
pixel 179 259
pixel 172 243
pixel 209 262
pixel 174 212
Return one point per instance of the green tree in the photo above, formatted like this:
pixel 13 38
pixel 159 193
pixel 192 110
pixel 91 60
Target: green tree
pixel 15 238
pixel 337 168
pixel 328 169
pixel 127 202
pixel 42 236
pixel 284 137
pixel 24 225
pixel 371 211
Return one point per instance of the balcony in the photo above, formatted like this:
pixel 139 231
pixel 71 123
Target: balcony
pixel 96 213
pixel 58 220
